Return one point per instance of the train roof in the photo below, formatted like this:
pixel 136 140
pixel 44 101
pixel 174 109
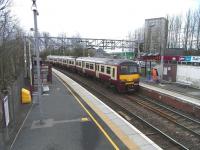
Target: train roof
pixel 105 60
pixel 61 57
pixel 93 59
pixel 69 57
pixel 120 61
pixel 108 61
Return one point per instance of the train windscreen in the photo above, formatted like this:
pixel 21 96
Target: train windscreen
pixel 128 69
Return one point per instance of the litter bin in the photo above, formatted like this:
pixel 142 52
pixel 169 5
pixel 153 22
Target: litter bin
pixel 26 96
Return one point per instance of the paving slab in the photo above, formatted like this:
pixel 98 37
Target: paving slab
pixel 60 123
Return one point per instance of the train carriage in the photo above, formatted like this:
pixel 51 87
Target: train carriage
pixel 79 65
pixel 90 65
pixel 120 73
pixel 123 74
pixel 49 59
pixel 71 63
pixel 52 59
pixel 64 61
pixel 127 75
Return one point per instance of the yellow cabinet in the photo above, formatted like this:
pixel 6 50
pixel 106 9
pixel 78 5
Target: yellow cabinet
pixel 26 96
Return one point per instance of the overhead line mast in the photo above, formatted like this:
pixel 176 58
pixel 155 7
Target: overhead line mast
pixel 35 13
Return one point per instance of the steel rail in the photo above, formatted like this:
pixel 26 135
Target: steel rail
pixel 171 140
pixel 167 116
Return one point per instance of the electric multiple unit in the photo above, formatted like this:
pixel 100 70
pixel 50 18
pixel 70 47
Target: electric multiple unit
pixel 120 73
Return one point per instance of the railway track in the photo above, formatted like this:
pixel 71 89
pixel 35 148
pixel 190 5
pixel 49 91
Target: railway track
pixel 125 108
pixel 181 120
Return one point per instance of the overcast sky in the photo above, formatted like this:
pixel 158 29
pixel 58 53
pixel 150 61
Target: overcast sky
pixel 96 18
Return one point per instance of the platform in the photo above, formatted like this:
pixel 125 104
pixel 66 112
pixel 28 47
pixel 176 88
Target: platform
pixel 65 125
pixel 68 122
pixel 183 99
pixel 188 95
pixel 127 133
pixel 175 87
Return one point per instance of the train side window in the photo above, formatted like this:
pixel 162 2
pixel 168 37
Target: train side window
pixel 102 68
pixel 77 63
pixel 108 70
pixel 91 66
pixel 113 72
pixel 98 67
pixel 87 65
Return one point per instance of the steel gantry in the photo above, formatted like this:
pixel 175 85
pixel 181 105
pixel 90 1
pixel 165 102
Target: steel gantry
pixel 57 42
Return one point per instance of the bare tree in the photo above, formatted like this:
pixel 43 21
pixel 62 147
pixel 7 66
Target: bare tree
pixel 198 28
pixel 177 31
pixel 78 48
pixel 46 36
pixel 4 4
pixel 10 47
pixel 174 31
pixel 187 29
pixel 184 32
pixel 138 37
pixel 192 29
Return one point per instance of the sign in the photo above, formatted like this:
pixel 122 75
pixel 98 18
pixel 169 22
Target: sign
pixel 185 58
pixel 195 58
pixel 6 110
pixel 190 58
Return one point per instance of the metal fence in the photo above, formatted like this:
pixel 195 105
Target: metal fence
pixel 17 111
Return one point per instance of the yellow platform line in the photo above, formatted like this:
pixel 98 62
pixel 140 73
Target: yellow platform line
pixel 124 138
pixel 84 119
pixel 91 116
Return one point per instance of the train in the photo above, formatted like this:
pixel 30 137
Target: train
pixel 120 73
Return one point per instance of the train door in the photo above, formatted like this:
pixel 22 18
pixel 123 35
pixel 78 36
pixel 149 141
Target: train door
pixel 97 70
pixel 83 63
pixel 113 73
pixel 67 63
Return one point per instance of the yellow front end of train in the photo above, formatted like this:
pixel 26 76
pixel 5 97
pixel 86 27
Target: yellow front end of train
pixel 132 79
pixel 129 77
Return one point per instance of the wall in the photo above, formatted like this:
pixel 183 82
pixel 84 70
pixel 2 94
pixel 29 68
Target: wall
pixel 189 73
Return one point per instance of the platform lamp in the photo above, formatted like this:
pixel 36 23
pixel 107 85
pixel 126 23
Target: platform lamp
pixel 35 14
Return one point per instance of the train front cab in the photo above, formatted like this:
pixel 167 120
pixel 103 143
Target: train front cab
pixel 128 77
